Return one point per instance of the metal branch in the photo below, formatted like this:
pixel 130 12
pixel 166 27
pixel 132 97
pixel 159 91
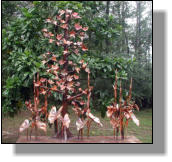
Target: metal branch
pixel 115 88
pixel 73 97
pixel 51 89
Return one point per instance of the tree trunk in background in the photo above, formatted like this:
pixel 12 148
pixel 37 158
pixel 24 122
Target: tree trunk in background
pixel 107 15
pixel 125 37
pixel 123 28
pixel 138 31
pixel 119 21
pixel 117 29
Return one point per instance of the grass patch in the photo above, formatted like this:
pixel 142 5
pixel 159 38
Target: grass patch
pixel 143 132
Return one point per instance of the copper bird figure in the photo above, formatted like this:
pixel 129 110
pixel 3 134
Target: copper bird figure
pixel 34 121
pixel 85 117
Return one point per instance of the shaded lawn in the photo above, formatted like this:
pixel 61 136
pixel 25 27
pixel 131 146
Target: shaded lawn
pixel 143 132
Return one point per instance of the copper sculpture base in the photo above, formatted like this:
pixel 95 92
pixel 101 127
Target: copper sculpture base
pixel 91 139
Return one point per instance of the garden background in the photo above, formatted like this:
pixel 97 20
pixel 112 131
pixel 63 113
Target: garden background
pixel 119 37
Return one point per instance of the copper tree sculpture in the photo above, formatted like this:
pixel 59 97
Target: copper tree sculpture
pixel 120 114
pixel 65 72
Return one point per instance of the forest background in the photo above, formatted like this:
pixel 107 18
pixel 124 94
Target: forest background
pixel 119 37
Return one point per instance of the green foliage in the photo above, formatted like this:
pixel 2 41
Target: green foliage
pixel 142 91
pixel 103 77
pixel 8 10
pixel 20 51
pixel 112 45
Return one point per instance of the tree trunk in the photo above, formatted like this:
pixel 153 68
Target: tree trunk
pixel 61 134
pixel 138 31
pixel 107 15
pixel 118 6
pixel 125 47
pixel 64 102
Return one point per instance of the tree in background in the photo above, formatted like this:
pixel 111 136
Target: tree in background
pixel 21 50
